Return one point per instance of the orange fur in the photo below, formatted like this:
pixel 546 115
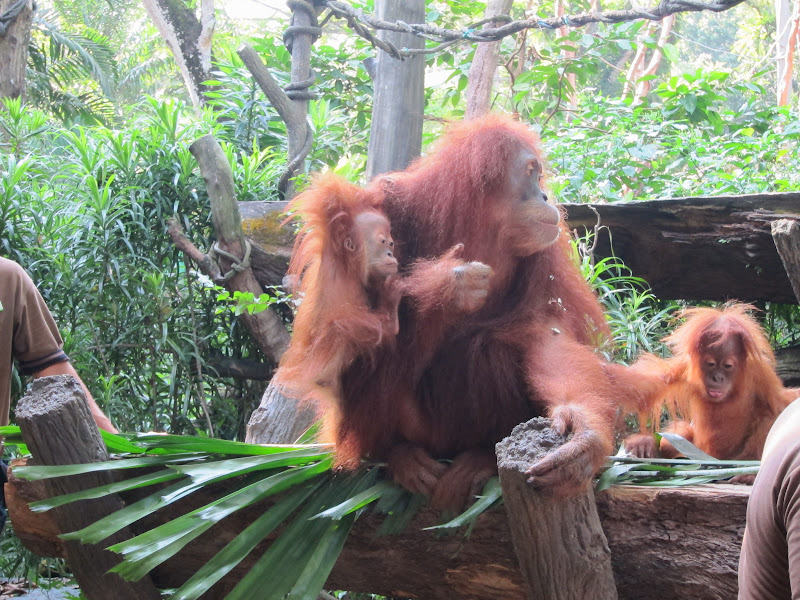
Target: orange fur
pixel 337 319
pixel 735 428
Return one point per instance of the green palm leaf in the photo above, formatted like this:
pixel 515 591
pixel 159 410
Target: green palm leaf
pixel 243 544
pixel 150 549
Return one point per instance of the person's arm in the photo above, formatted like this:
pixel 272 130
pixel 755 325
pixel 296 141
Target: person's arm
pixel 66 368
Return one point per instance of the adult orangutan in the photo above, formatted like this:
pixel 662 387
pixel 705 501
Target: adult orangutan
pixel 472 361
pixel 721 380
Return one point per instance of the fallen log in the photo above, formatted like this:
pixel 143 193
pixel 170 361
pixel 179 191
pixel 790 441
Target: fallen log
pixel 665 543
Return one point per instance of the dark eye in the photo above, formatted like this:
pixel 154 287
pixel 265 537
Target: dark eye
pixel 711 364
pixel 728 366
pixel 391 244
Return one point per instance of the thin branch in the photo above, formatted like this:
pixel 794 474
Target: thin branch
pixel 357 20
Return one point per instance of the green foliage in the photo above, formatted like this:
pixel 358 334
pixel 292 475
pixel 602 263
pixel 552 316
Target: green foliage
pixel 71 74
pixel 84 210
pixel 684 142
pixel 313 516
pixel 697 468
pixel 638 320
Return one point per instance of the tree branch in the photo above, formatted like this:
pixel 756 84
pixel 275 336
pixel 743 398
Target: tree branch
pixel 470 34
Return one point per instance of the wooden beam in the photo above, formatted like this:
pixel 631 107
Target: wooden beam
pixel 715 248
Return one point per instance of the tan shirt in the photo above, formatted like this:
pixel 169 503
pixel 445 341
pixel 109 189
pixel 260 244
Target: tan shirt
pixel 28 333
pixel 769 567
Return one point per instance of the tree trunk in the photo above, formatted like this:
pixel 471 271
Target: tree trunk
pixel 266 327
pixel 280 418
pixel 399 102
pixel 15 33
pixel 188 39
pixel 484 65
pixel 783 59
pixel 59 429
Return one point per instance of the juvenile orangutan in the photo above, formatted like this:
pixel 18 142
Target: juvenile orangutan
pixel 348 288
pixel 721 380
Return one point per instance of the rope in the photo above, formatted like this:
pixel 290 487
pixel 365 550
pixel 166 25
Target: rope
pixel 237 266
pixel 298 90
pixel 291 167
pixel 313 30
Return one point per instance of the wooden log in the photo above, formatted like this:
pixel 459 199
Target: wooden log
pixel 559 542
pixel 280 418
pixel 58 428
pixel 663 241
pixel 666 544
pixel 786 234
pixel 675 542
pixel 262 224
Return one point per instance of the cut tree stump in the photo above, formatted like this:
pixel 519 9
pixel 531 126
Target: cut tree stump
pixel 58 428
pixel 559 542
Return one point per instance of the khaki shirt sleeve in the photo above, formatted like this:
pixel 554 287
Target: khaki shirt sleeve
pixel 36 342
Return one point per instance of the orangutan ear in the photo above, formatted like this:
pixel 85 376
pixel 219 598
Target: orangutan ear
pixel 341 232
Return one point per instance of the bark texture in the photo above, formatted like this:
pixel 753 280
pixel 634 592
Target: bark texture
pixel 715 248
pixel 399 98
pixel 266 327
pixel 16 17
pixel 59 429
pixel 562 552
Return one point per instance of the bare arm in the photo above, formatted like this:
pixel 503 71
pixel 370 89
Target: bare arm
pixel 66 368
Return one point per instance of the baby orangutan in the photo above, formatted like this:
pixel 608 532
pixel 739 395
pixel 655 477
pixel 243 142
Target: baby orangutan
pixel 349 289
pixel 721 380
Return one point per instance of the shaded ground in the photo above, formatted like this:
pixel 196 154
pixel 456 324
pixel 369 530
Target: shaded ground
pixel 16 589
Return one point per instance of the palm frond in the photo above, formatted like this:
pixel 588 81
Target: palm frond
pixel 89 49
pixel 698 467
